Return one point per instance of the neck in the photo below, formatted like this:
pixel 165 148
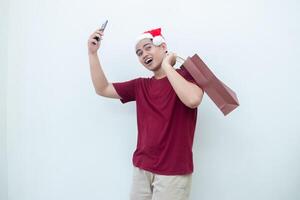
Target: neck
pixel 160 73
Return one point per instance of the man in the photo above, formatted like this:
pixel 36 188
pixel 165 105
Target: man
pixel 166 117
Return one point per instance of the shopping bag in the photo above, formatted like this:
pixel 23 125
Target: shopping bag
pixel 224 97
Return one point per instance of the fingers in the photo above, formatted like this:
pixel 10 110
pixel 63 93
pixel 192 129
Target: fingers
pixel 97 34
pixel 100 32
pixel 171 58
pixel 171 54
pixel 97 37
pixel 94 41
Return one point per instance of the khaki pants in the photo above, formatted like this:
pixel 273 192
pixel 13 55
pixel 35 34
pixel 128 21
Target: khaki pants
pixel 150 186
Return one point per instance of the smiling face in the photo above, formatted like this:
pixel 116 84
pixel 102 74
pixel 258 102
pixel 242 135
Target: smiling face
pixel 149 55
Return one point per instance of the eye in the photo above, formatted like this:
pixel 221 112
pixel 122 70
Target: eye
pixel 148 47
pixel 139 53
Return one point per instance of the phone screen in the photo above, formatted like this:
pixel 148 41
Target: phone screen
pixel 103 25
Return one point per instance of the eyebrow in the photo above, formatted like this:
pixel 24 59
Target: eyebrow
pixel 143 47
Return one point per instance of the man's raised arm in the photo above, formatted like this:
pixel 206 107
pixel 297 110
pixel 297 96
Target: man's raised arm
pixel 101 85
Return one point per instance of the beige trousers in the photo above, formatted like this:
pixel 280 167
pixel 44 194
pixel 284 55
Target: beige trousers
pixel 149 186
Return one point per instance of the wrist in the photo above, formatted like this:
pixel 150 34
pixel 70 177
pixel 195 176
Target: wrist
pixel 92 54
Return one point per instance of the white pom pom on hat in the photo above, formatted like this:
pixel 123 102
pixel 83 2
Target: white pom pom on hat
pixel 154 34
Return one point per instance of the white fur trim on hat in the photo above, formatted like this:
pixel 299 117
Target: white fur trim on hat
pixel 143 36
pixel 158 40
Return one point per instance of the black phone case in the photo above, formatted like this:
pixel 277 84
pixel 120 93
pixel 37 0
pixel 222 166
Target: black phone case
pixel 101 29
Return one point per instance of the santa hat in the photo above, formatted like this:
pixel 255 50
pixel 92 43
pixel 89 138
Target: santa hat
pixel 154 34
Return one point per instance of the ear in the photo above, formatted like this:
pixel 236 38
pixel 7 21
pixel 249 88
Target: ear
pixel 164 46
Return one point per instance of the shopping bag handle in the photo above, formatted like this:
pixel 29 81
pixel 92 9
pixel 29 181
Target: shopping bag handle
pixel 180 59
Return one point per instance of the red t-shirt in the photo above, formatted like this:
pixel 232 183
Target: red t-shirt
pixel 165 125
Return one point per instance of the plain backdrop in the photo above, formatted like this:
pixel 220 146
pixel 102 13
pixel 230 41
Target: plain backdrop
pixel 60 141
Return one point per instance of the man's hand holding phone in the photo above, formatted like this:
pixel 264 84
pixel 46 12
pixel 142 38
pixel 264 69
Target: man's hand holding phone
pixel 95 39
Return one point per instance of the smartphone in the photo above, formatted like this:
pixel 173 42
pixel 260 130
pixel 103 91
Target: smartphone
pixel 103 26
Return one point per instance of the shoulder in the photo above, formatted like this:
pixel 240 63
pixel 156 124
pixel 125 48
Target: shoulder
pixel 142 79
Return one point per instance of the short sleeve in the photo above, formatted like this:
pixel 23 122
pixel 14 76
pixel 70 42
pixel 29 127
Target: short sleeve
pixel 126 90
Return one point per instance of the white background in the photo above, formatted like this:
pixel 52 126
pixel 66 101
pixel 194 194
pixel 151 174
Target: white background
pixel 60 141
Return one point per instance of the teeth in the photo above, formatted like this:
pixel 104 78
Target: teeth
pixel 148 60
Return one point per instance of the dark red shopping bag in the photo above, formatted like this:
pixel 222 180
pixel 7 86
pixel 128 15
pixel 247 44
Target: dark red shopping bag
pixel 221 94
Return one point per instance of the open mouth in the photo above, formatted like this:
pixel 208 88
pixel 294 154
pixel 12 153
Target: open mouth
pixel 148 61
